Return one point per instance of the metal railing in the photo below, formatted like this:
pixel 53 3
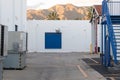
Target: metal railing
pixel 106 14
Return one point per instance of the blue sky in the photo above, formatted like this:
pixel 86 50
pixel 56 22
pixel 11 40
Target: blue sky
pixel 44 4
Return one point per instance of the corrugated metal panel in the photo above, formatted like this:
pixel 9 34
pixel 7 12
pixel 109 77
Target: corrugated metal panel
pixel 114 8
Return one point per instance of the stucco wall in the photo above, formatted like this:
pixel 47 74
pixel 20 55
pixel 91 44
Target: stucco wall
pixel 13 12
pixel 76 35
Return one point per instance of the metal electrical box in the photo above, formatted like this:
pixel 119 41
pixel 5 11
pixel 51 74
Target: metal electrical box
pixel 17 47
pixel 3 46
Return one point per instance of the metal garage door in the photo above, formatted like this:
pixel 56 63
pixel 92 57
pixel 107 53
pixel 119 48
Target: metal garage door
pixel 53 40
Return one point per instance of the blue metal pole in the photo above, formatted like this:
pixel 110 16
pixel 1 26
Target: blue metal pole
pixel 109 57
pixel 104 45
pixel 102 37
pixel 107 51
pixel 101 56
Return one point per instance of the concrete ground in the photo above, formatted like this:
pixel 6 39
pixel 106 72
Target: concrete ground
pixel 55 66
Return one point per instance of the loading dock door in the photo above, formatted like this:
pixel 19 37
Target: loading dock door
pixel 53 40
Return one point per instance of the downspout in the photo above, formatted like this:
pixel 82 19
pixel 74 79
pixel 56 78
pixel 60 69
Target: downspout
pixel 96 45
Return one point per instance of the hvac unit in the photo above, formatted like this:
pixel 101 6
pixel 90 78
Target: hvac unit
pixel 17 48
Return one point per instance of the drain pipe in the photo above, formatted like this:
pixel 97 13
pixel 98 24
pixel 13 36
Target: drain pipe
pixel 16 27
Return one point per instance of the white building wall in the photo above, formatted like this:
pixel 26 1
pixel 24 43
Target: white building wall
pixel 6 12
pixel 76 35
pixel 20 14
pixel 93 32
pixel 99 35
pixel 13 12
pixel 114 7
pixel 24 14
pixel 93 36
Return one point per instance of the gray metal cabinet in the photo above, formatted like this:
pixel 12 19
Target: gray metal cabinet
pixel 17 44
pixel 15 60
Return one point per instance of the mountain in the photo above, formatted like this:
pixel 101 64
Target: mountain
pixel 65 12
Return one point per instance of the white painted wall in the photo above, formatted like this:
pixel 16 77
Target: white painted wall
pixel 99 35
pixel 20 14
pixel 93 36
pixel 114 7
pixel 5 12
pixel 76 35
pixel 13 12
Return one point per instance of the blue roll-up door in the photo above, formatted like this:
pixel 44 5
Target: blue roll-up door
pixel 53 40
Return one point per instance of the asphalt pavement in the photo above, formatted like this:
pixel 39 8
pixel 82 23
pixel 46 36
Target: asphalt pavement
pixel 55 66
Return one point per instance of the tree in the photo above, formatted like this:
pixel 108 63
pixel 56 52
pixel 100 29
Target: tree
pixel 53 16
pixel 89 12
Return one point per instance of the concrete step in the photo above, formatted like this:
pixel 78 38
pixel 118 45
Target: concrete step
pixel 118 58
pixel 116 29
pixel 118 50
pixel 118 54
pixel 117 36
pixel 117 40
pixel 118 47
pixel 117 33
pixel 117 43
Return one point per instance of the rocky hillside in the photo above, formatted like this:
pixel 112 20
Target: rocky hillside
pixel 64 12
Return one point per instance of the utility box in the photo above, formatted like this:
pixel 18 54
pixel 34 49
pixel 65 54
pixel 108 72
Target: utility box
pixel 17 41
pixel 15 60
pixel 17 48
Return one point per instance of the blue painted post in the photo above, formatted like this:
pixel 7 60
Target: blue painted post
pixel 104 45
pixel 102 37
pixel 101 56
pixel 109 57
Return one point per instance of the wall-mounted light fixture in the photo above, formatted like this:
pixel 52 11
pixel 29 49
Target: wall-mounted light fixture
pixel 57 30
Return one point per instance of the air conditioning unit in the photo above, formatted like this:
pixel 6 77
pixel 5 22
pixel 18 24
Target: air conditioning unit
pixel 17 48
pixel 17 41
